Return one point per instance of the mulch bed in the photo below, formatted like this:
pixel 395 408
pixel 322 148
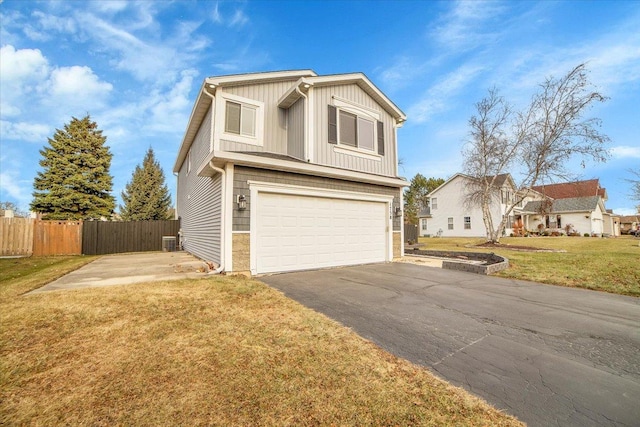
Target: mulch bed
pixel 515 247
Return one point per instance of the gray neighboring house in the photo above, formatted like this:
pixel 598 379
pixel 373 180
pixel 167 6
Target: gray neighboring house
pixel 582 214
pixel 289 170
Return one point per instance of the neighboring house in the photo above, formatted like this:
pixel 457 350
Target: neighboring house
pixel 551 208
pixel 582 214
pixel 284 171
pixel 629 223
pixel 583 202
pixel 449 215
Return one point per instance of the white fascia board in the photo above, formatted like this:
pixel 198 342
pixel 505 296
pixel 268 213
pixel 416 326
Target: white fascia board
pixel 292 94
pixel 242 159
pixel 237 79
pixel 195 120
pixel 367 85
pixel 444 184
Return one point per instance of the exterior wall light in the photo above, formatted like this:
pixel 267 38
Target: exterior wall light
pixel 398 212
pixel 242 202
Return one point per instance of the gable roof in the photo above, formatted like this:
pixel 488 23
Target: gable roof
pixel 498 183
pixel 565 190
pixel 300 79
pixel 574 204
pixel 629 219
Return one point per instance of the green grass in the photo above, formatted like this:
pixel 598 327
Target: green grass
pixel 21 275
pixel 216 351
pixel 609 265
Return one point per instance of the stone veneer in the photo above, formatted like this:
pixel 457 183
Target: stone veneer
pixel 491 263
pixel 397 245
pixel 240 251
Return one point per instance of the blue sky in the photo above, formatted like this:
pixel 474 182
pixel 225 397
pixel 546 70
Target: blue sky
pixel 136 67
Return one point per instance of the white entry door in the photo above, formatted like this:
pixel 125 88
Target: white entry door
pixel 303 232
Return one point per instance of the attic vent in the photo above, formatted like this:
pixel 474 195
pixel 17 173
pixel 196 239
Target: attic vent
pixel 168 243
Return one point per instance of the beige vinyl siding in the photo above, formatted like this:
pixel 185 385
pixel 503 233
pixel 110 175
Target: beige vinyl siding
pixel 275 126
pixel 199 202
pixel 241 176
pixel 295 130
pixel 325 153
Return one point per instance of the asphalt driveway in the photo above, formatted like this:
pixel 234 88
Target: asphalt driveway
pixel 548 355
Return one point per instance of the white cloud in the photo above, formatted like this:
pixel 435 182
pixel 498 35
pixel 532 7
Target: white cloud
pixel 172 108
pixel 439 98
pixel 239 19
pixel 23 131
pixel 12 188
pixel 18 66
pixel 77 81
pixel 464 27
pixel 21 72
pixel 625 151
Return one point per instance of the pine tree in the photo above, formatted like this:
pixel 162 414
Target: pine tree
pixel 146 196
pixel 75 182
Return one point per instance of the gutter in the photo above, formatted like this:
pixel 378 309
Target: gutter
pixel 222 172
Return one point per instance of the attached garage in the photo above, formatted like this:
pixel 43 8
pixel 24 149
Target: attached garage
pixel 297 228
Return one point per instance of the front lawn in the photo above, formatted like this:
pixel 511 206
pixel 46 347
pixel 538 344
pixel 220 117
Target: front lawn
pixel 610 265
pixel 215 351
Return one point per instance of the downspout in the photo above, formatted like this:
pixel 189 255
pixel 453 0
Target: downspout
pixel 222 185
pixel 306 121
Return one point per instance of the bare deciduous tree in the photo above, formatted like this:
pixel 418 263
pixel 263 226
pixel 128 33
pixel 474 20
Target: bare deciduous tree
pixel 635 188
pixel 538 141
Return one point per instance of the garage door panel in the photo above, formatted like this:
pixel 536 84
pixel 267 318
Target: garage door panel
pixel 299 232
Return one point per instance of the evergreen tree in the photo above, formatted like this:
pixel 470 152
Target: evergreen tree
pixel 415 197
pixel 75 182
pixel 146 196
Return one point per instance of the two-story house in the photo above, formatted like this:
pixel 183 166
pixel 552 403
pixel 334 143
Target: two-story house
pixel 284 171
pixel 449 215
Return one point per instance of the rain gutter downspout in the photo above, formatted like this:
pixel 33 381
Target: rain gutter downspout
pixel 306 122
pixel 222 185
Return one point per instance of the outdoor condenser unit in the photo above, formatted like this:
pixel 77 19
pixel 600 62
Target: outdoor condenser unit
pixel 168 243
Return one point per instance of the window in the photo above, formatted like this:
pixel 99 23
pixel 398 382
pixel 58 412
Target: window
pixel 238 119
pixel 424 225
pixel 434 203
pixel 450 220
pixel 353 126
pixel 467 223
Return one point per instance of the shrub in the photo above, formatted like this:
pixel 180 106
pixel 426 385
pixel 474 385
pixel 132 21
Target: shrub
pixel 587 235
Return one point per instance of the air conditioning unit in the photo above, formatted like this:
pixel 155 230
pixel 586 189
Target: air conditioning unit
pixel 168 243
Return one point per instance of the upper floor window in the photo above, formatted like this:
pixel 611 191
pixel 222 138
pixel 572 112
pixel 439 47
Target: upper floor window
pixel 354 126
pixel 239 119
pixel 434 203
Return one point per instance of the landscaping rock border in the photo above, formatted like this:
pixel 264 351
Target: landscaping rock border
pixel 485 263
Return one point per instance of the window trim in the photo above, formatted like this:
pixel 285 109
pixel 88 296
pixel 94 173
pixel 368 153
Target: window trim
pixel 362 113
pixel 221 119
pixel 467 222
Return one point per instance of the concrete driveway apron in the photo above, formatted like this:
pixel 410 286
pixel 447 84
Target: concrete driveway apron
pixel 546 354
pixel 124 269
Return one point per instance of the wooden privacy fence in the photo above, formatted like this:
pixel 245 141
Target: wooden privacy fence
pixel 16 236
pixel 103 237
pixel 57 238
pixel 27 236
pixel 411 233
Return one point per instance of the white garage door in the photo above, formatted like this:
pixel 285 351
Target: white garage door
pixel 300 232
